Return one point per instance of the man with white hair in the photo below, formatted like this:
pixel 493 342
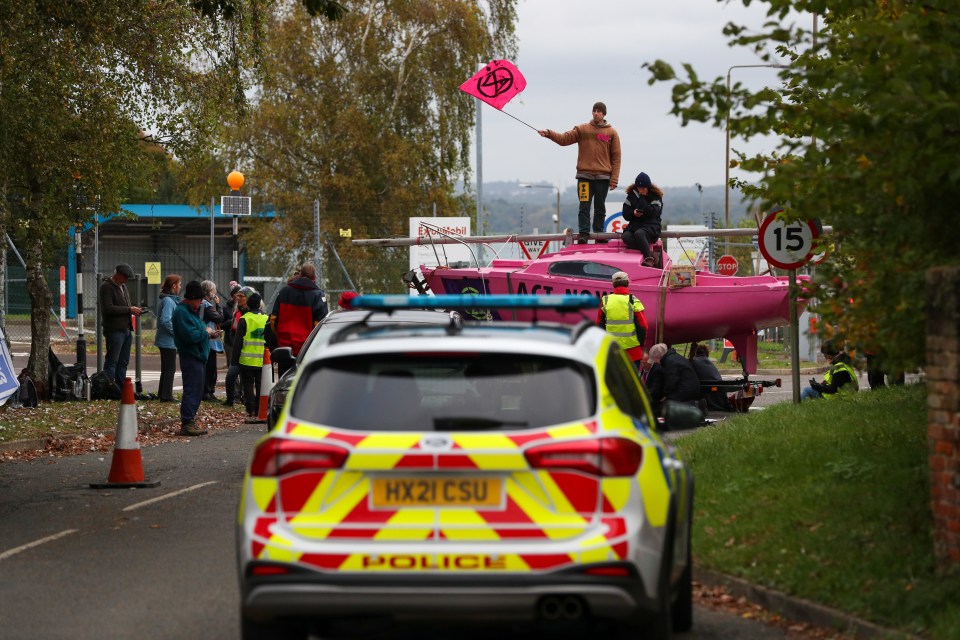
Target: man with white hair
pixel 680 382
pixel 623 317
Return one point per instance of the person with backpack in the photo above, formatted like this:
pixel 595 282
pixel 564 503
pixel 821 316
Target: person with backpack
pixel 299 306
pixel 623 317
pixel 192 338
pixel 169 299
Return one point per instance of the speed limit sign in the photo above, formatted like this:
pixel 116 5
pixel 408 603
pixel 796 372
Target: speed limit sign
pixel 787 245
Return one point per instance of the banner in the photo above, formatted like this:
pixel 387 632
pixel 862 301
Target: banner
pixel 8 381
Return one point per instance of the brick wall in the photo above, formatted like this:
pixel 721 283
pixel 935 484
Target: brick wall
pixel 943 410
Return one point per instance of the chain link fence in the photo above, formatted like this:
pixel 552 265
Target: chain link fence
pixel 343 267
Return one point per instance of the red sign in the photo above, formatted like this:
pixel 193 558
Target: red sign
pixel 727 266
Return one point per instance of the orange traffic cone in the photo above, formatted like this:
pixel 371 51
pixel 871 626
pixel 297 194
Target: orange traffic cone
pixel 126 470
pixel 266 385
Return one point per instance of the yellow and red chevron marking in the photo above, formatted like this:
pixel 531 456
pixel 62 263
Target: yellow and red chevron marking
pixel 538 504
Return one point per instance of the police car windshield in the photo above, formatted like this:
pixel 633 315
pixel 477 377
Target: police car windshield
pixel 444 392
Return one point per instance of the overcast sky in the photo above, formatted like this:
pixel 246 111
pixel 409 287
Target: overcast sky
pixel 573 53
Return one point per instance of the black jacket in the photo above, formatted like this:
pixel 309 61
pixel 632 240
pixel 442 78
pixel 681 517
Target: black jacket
pixel 680 380
pixel 708 372
pixel 643 212
pixel 654 381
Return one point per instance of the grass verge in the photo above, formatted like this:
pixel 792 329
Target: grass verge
pixel 829 501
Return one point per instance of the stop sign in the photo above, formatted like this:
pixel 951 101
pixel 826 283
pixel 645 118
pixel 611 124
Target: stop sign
pixel 727 266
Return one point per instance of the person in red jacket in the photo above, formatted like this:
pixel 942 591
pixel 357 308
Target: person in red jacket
pixel 299 306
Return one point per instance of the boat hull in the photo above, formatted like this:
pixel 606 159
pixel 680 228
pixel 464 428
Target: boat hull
pixel 712 306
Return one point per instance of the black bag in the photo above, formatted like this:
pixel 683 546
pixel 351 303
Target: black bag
pixel 102 387
pixel 27 394
pixel 58 381
pixel 65 383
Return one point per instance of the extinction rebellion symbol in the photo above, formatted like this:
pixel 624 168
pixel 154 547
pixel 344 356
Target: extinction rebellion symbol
pixel 495 82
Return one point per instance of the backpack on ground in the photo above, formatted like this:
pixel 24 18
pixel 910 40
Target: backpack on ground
pixel 102 387
pixel 66 382
pixel 27 393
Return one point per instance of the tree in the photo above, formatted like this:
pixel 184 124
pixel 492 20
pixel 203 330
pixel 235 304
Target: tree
pixel 868 114
pixel 79 81
pixel 365 114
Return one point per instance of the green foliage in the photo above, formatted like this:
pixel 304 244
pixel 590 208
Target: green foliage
pixel 365 115
pixel 867 112
pixel 80 83
pixel 829 501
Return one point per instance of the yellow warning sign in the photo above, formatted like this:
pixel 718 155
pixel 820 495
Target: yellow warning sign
pixel 346 233
pixel 152 269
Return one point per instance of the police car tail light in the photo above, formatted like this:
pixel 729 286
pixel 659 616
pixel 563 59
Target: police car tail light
pixel 603 457
pixel 277 457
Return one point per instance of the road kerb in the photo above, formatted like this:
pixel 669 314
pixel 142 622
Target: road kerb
pixel 798 609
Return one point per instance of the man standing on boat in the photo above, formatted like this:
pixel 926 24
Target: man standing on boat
pixel 598 167
pixel 623 317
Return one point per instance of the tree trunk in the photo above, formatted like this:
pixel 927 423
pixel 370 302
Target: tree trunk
pixel 40 301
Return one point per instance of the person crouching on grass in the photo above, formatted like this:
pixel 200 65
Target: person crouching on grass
pixel 248 347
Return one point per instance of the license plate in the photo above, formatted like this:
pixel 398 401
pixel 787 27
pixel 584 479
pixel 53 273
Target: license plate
pixel 390 493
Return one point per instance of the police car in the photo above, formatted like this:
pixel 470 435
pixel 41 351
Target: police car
pixel 332 323
pixel 478 470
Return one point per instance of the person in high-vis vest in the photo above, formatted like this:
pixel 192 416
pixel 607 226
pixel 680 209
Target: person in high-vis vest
pixel 248 345
pixel 840 378
pixel 623 317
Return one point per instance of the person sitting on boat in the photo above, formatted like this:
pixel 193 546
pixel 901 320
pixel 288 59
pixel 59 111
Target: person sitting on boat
pixel 641 213
pixel 708 373
pixel 841 377
pixel 623 317
pixel 680 382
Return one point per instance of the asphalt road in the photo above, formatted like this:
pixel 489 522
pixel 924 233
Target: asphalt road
pixel 158 563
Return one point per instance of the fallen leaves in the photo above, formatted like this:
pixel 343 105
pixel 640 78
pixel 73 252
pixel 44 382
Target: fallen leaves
pixel 719 599
pixel 155 427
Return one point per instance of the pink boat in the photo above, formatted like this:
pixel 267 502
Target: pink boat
pixel 682 304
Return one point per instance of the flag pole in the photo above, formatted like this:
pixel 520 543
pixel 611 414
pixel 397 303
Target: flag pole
pixel 518 120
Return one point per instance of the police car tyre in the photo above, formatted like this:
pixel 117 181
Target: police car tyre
pixel 682 610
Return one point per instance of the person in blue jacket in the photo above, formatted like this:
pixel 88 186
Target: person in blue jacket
pixel 169 299
pixel 192 338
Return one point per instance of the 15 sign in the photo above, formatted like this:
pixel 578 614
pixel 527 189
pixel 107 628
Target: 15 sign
pixel 787 245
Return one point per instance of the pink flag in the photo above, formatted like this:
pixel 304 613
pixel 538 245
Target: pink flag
pixel 496 84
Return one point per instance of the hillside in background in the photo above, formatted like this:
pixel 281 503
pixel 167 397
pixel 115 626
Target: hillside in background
pixel 510 208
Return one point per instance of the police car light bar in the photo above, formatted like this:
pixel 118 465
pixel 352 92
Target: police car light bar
pixel 504 301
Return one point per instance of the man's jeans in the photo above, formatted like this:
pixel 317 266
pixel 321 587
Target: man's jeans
pixel 117 359
pixel 809 393
pixel 193 371
pixel 592 191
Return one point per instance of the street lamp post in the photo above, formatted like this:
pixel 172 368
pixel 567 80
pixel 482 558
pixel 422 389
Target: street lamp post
pixel 556 217
pixel 726 181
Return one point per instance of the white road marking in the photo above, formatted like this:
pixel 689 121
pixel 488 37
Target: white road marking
pixel 169 495
pixel 35 543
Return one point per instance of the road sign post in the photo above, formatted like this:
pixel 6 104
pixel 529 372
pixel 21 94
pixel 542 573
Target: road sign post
pixel 789 245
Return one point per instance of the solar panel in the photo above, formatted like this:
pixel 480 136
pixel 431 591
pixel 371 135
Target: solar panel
pixel 235 205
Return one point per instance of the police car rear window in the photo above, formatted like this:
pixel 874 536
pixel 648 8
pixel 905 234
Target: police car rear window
pixel 444 392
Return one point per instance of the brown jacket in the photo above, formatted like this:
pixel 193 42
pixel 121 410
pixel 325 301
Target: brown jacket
pixel 598 150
